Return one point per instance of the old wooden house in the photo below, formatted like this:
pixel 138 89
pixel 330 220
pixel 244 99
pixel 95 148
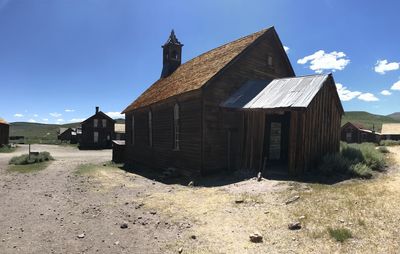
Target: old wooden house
pixel 97 131
pixel 238 106
pixel 391 131
pixel 68 135
pixel 4 132
pixel 357 133
pixel 119 131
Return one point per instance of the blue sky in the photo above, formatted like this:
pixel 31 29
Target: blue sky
pixel 61 58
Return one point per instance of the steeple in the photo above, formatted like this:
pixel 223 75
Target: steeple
pixel 172 55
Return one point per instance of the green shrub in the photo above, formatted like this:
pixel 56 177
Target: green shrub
pixel 333 163
pixel 390 143
pixel 6 149
pixel 352 154
pixel 383 149
pixel 340 234
pixel 25 159
pixel 360 170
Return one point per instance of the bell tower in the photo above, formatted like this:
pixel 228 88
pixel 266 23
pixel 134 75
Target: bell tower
pixel 172 55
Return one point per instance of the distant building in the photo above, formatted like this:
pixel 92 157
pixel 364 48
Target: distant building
pixel 4 132
pixel 97 131
pixel 68 135
pixel 238 106
pixel 356 133
pixel 119 131
pixel 391 131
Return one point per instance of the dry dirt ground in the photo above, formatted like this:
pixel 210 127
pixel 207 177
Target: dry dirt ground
pixel 46 211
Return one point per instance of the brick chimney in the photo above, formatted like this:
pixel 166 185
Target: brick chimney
pixel 97 109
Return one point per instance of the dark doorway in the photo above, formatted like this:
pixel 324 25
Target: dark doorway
pixel 276 141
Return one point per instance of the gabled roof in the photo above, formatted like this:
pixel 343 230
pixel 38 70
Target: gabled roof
pixel 294 92
pixel 390 129
pixel 100 113
pixel 195 73
pixel 356 125
pixel 2 121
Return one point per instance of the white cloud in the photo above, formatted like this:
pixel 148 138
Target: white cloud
pixel 74 120
pixel 18 115
pixel 286 49
pixel 320 61
pixel 115 115
pixel 382 66
pixel 35 115
pixel 386 92
pixel 55 114
pixel 69 110
pixel 368 97
pixel 345 94
pixel 32 120
pixel 60 120
pixel 45 119
pixel 396 86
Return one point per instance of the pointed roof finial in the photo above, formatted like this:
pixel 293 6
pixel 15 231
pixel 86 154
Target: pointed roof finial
pixel 172 39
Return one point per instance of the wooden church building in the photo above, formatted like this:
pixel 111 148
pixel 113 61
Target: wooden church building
pixel 238 106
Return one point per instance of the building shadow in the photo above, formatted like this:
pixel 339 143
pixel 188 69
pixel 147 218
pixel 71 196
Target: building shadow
pixel 223 178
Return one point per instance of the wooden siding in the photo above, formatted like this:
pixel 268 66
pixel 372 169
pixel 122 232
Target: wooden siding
pixel 315 131
pixel 217 122
pixel 4 133
pixel 358 135
pixel 161 153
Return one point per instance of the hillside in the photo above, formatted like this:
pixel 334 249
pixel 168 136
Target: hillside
pixel 367 119
pixel 395 116
pixel 39 132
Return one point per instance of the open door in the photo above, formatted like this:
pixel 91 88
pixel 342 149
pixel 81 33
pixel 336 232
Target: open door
pixel 276 140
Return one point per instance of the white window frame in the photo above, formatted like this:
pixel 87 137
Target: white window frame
pixel 176 127
pixel 150 125
pixel 95 123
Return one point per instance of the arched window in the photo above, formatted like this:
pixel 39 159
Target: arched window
pixel 133 130
pixel 174 55
pixel 176 127
pixel 150 129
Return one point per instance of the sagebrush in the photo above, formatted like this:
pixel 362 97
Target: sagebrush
pixel 26 159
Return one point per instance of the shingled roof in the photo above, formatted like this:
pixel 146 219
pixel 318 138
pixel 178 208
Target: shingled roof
pixel 195 73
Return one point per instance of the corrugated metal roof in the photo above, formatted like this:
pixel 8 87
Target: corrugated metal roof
pixel 390 129
pixel 296 92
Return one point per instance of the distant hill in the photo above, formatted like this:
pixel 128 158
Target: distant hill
pixel 367 119
pixel 40 132
pixel 395 116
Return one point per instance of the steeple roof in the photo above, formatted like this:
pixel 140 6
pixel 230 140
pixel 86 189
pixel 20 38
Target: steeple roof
pixel 172 39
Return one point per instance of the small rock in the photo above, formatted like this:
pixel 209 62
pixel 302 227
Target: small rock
pixel 292 199
pixel 256 238
pixel 3 240
pixel 180 250
pixel 81 236
pixel 116 243
pixel 124 225
pixel 153 212
pixel 239 201
pixel 341 221
pixel 294 225
pixel 193 237
pixel 191 184
pixel 302 217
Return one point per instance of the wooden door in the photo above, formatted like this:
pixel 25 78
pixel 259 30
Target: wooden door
pixel 276 138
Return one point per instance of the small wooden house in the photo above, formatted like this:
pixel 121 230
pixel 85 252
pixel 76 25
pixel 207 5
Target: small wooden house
pixel 356 133
pixel 4 132
pixel 67 135
pixel 97 131
pixel 238 106
pixel 391 131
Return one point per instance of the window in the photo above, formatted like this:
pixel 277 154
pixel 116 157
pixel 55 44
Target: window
pixel 150 130
pixel 176 127
pixel 95 123
pixel 133 130
pixel 104 123
pixel 348 136
pixel 95 137
pixel 270 62
pixel 174 55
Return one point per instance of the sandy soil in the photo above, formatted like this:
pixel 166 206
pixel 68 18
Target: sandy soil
pixel 46 211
